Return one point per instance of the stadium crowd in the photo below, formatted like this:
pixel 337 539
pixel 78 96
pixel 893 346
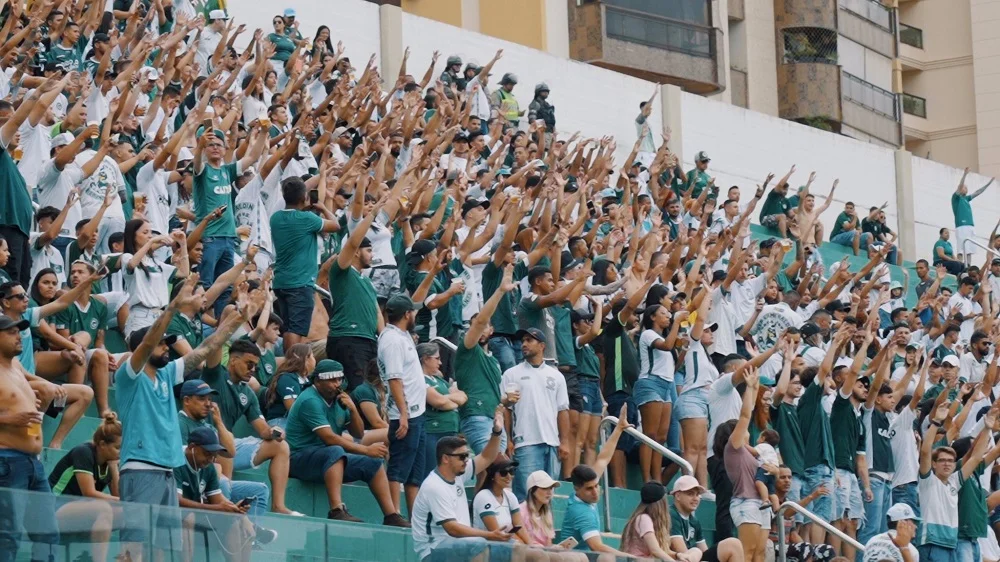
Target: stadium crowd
pixel 429 284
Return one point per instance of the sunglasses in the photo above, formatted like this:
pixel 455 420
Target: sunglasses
pixel 21 296
pixel 460 456
pixel 506 472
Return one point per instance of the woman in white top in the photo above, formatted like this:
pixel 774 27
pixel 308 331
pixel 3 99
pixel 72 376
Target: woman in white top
pixel 495 506
pixel 654 393
pixel 147 280
pixel 692 403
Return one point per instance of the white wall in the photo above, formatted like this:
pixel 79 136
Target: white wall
pixel 933 184
pixel 745 146
pixel 589 99
pixel 354 22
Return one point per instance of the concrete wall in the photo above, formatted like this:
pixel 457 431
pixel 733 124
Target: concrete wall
pixel 933 184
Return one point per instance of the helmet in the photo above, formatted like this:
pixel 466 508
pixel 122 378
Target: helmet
pixel 509 78
pixel 541 87
pixel 454 59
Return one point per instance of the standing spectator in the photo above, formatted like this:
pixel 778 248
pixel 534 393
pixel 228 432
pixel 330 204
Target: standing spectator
pixel 879 405
pixel 294 233
pixel 400 368
pixel 537 423
pixel 924 280
pixel 147 279
pixel 442 503
pixel 847 230
pixel 896 543
pixel 655 392
pixel 685 529
pixel 962 209
pixel 443 402
pixel 741 466
pixel 533 310
pixel 321 453
pixel 647 146
pixel 903 441
pixel 453 73
pixel 587 327
pixel 21 432
pixel 692 403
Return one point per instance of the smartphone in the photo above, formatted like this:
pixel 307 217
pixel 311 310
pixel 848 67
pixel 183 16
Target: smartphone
pixel 276 433
pixel 514 529
pixel 313 196
pixel 245 502
pixel 372 158
pixel 569 543
pixel 104 271
pixel 207 123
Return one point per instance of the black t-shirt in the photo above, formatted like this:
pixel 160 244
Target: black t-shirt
pixel 621 360
pixel 82 458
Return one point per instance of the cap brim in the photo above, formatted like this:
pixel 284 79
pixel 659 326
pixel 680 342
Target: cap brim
pixel 519 335
pixel 218 449
pixel 712 327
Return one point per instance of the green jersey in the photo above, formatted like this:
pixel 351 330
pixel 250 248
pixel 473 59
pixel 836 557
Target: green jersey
pixel 235 400
pixel 69 59
pixel 973 512
pixel 565 348
pixel 774 204
pixel 213 188
pixel 431 323
pixel 848 433
pixel 365 392
pixel 815 425
pixel 587 363
pixel 197 485
pixel 948 251
pixel 962 209
pixel 293 234
pixel 189 424
pixel 311 412
pixel 503 319
pixel 838 226
pixel 785 420
pixel 188 328
pixel 439 421
pixel 15 201
pixel 697 182
pixel 879 455
pixel 287 387
pixel 687 528
pixel 354 311
pixel 531 315
pixel 93 319
pixel 478 376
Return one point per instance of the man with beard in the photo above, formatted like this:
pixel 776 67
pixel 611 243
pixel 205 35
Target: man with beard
pixel 477 372
pixel 151 443
pixel 399 366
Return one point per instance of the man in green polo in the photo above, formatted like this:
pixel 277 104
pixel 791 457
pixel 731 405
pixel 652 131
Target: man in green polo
pixel 698 178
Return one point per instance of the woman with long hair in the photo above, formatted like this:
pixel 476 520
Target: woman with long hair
pixel 43 290
pixel 291 377
pixel 761 419
pixel 751 520
pixel 370 398
pixel 495 507
pixel 692 402
pixel 655 393
pixel 536 509
pixel 87 471
pixel 647 532
pixel 321 43
pixel 147 279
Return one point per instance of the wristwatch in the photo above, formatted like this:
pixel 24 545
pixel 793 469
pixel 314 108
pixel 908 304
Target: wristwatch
pixel 497 433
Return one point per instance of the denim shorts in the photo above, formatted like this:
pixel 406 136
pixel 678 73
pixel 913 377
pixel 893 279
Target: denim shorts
pixel 652 389
pixel 748 510
pixel 590 392
pixel 295 306
pixel 816 476
pixel 692 404
pixel 616 400
pixel 406 455
pixel 310 464
pixel 848 500
pixel 935 553
pixel 478 430
pixel 246 450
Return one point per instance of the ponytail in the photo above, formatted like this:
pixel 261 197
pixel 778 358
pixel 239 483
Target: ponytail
pixel 109 431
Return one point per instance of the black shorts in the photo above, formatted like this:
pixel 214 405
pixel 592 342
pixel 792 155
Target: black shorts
pixel 354 354
pixel 573 388
pixel 295 307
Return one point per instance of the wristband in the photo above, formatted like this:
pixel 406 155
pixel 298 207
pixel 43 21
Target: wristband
pixel 936 423
pixel 497 433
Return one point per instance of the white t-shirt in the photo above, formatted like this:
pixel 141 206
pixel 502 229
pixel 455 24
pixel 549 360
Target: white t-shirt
pixel 652 361
pixel 149 288
pixel 397 359
pixel 958 303
pixel 439 501
pixel 250 210
pixel 485 503
pixel 699 371
pixel 543 396
pixel 899 373
pixel 724 313
pixel 381 238
pixel 971 369
pixel 773 320
pixel 744 296
pixel 36 144
pixel 95 186
pixel 724 404
pixel 46 256
pixel 153 184
pixel 53 191
pixel 881 547
pixel 939 506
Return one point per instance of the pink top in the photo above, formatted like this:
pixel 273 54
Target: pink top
pixel 643 526
pixel 537 534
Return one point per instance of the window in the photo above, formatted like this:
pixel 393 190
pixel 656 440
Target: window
pixel 810 44
pixel 690 11
pixel 914 105
pixel 911 36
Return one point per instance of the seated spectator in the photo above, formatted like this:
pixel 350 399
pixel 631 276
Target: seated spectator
pixel 685 529
pixel 647 531
pixel 320 453
pixel 896 543
pixel 796 545
pixel 370 397
pixel 847 230
pixel 289 381
pixel 87 470
pixel 944 255
pixel 536 509
pixel 495 507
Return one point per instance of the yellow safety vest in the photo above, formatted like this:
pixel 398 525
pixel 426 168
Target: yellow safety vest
pixel 508 106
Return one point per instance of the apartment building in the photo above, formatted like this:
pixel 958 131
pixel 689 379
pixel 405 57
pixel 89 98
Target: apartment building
pixel 900 73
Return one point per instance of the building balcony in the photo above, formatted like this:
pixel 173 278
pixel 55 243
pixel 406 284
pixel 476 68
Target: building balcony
pixel 648 46
pixel 871 110
pixel 868 23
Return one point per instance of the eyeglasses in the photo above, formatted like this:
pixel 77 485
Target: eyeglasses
pixel 460 456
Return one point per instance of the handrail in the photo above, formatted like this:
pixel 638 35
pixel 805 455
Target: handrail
pixel 965 255
pixel 783 545
pixel 611 421
pixel 322 292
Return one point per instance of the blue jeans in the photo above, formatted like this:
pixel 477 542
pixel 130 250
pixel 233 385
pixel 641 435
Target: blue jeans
pixel 846 238
pixel 237 490
pixel 531 458
pixel 216 259
pixel 907 493
pixel 875 522
pixel 507 352
pixel 822 506
pixel 935 553
pixel 450 548
pixel 478 430
pixel 36 513
pixel 968 551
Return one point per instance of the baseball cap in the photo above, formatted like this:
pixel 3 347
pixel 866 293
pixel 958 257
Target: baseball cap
pixel 535 333
pixel 339 132
pixel 150 73
pixel 578 315
pixel 996 261
pixel 206 438
pixel 400 303
pixel 609 193
pixel 420 249
pixel 685 483
pixel 652 492
pixel 328 369
pixel 810 329
pixel 365 243
pixel 702 156
pixel 218 15
pixel 6 323
pixel 62 139
pixel 289 12
pixel 895 285
pixel 196 387
pixel 951 360
pixel 541 479
pixel 460 137
pixel 901 512
pixel 471 204
pixel 136 337
pixel 185 154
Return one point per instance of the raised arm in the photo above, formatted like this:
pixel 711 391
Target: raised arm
pixel 739 436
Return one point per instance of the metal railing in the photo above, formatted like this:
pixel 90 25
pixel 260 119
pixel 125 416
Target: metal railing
pixel 914 105
pixel 967 258
pixel 659 32
pixel 912 36
pixel 611 421
pixel 782 542
pixel 872 10
pixel 869 95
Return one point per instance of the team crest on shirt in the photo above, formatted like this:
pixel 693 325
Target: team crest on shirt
pixel 458 491
pixel 93 323
pixel 550 383
pixel 269 369
pixel 243 399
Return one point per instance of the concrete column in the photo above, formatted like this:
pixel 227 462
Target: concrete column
pixel 390 43
pixel 905 205
pixel 720 20
pixel 671 99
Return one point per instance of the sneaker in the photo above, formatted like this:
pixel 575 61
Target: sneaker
pixel 341 514
pixel 395 520
pixel 263 535
pixel 708 496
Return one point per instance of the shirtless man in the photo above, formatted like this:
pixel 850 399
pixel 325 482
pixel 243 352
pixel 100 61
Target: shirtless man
pixel 810 228
pixel 21 397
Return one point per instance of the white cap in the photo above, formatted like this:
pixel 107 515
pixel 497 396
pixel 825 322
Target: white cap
pixel 62 139
pixel 950 360
pixel 541 479
pixel 150 73
pixel 844 362
pixel 218 15
pixel 685 483
pixel 185 154
pixel 901 512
